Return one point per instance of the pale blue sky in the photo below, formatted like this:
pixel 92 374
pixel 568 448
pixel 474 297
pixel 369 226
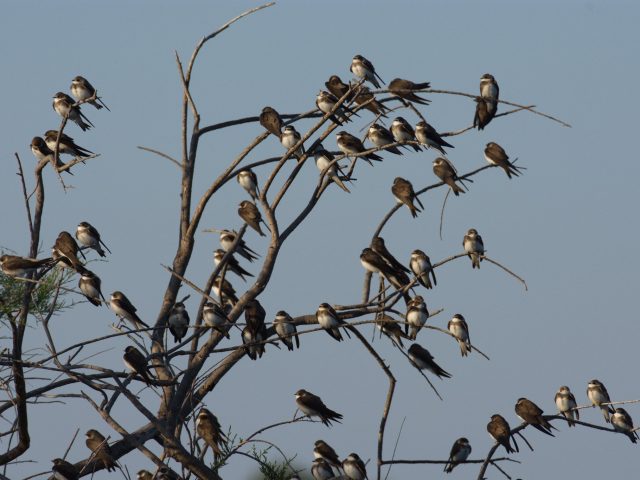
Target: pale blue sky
pixel 568 225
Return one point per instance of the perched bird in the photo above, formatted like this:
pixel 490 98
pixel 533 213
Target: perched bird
pixel 252 342
pixel 445 171
pixel 227 237
pixel 490 91
pixel 82 90
pixel 322 449
pixel 165 473
pixel 63 470
pixel 367 100
pixel 459 453
pixel 66 249
pixel 66 145
pixel 473 246
pixel 254 315
pixel 482 116
pixel 136 361
pixel 64 106
pixel 271 121
pixel 88 236
pixel 321 470
pixel 352 146
pixel 499 429
pixel 403 192
pixel 144 475
pixel 374 263
pixel 363 68
pixel 494 154
pixel 249 181
pixel 597 393
pixel 566 402
pixel 325 101
pixel 622 422
pixel 208 428
pixel 124 309
pixel 215 317
pixel 14 266
pixel 421 267
pixel 100 448
pixel 328 319
pixel 354 468
pixel 530 413
pixel 323 160
pixel 232 264
pixel 42 152
pixel 416 316
pixel 403 132
pixel 459 329
pixel 423 360
pixel 291 137
pixel 286 329
pixel 178 321
pixel 227 293
pixel 251 215
pixel 428 136
pixel 380 137
pixel 378 246
pixel 312 406
pixel 338 88
pixel 406 88
pixel 391 329
pixel 89 284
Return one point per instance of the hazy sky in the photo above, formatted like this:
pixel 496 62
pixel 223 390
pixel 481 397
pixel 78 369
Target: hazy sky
pixel 568 225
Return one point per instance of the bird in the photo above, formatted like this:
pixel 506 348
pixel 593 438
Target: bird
pixel 124 309
pixel 421 267
pixel 494 154
pixel 88 236
pixel 63 470
pixel 363 68
pixel 460 451
pixel 374 263
pixel 322 449
pixel 136 361
pixel 499 429
pixel 208 428
pixel 423 360
pixel 249 181
pixel 254 315
pixel 367 100
pixel 416 316
pixel 354 468
pixel 352 146
pixel 597 393
pixel 89 284
pixel 427 135
pixel 405 89
pixel 459 329
pixel 101 452
pixel 474 247
pixel 321 470
pixel 291 137
pixel 403 192
pixel 227 293
pixel 271 121
pixel 403 132
pixel 566 402
pixel 178 321
pixel 215 317
pixel 251 215
pixel 482 117
pixel 64 106
pixel 227 237
pixel 82 90
pixel 325 102
pixel 338 88
pixel 66 249
pixel 622 422
pixel 312 406
pixel 445 171
pixel 65 145
pixel 232 264
pixel 530 413
pixel 286 329
pixel 391 329
pixel 252 341
pixel 42 152
pixel 15 266
pixel 378 246
pixel 165 473
pixel 324 161
pixel 144 475
pixel 329 319
pixel 380 137
pixel 490 91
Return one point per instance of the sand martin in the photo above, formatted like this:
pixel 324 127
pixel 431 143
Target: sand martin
pixel 322 449
pixel 622 422
pixel 459 329
pixel 473 246
pixel 530 413
pixel 66 249
pixel 66 145
pixel 136 361
pixel 226 294
pixel 459 453
pixel 500 431
pixel 329 319
pixel 391 329
pixel 144 475
pixel 445 171
pixel 271 121
pixel 416 316
pixel 88 236
pixel 227 237
pixel 403 192
pixel 321 470
pixel 252 342
pixel 312 406
pixel 124 309
pixel 380 137
pixel 215 317
pixel 291 137
pixel 566 402
pixel 325 101
pixel 249 181
pixel 421 267
pixel 490 91
pixel 14 266
pixel 367 100
pixel 406 88
pixel 42 152
pixel 251 215
pixel 323 160
pixel 286 329
pixel 598 395
pixel 338 88
pixel 378 246
pixel 363 68
pixel 482 116
pixel 351 146
pixel 63 470
pixel 494 154
pixel 373 262
pixel 423 360
pixel 354 468
pixel 232 264
pixel 64 105
pixel 254 315
pixel 178 321
pixel 428 136
pixel 81 90
pixel 208 428
pixel 100 448
pixel 403 132
pixel 89 285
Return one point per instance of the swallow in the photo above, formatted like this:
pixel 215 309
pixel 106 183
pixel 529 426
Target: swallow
pixel 124 309
pixel 380 137
pixel 566 402
pixel 363 68
pixel 428 136
pixel 66 249
pixel 474 247
pixel 490 91
pixel 416 316
pixel 321 470
pixel 178 321
pixel 445 171
pixel 66 145
pixel 227 237
pixel 354 468
pixel 226 294
pixel 598 395
pixel 374 263
pixel 88 236
pixel 286 329
pixel 405 89
pixel 378 246
pixel 459 329
pixel 312 406
pixel 423 360
pixel 208 428
pixel 391 329
pixel 14 266
pixel 494 154
pixel 136 361
pixel 482 116
pixel 215 317
pixel 271 121
pixel 89 284
pixel 165 473
pixel 100 448
pixel 459 453
pixel 403 192
pixel 81 90
pixel 63 470
pixel 249 181
pixel 232 264
pixel 352 146
pixel 254 315
pixel 622 422
pixel 322 449
pixel 367 100
pixel 421 267
pixel 499 429
pixel 338 88
pixel 291 137
pixel 64 106
pixel 251 215
pixel 252 342
pixel 403 132
pixel 329 319
pixel 325 102
pixel 42 152
pixel 323 160
pixel 144 475
pixel 530 413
